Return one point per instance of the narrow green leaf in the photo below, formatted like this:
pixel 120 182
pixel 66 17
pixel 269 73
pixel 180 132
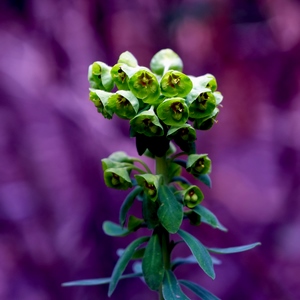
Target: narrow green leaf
pixel 170 212
pixel 153 267
pixel 123 262
pixel 233 249
pixel 171 288
pixel 134 223
pixel 208 217
pixel 198 290
pixel 128 203
pixel 178 261
pixel 199 251
pixel 98 281
pixel 113 229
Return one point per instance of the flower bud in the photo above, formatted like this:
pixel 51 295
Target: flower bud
pixel 150 184
pixel 207 122
pixel 99 98
pixel 124 104
pixel 175 83
pixel 202 103
pixel 119 76
pixel 165 59
pixel 144 85
pixel 147 123
pixel 99 76
pixel 198 164
pixel 192 196
pixel 207 81
pixel 117 178
pixel 173 111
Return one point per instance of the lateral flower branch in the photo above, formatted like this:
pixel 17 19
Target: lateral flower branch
pixel 164 108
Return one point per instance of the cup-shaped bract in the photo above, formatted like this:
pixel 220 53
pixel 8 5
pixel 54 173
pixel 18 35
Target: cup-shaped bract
pixel 144 85
pixel 99 98
pixel 121 156
pixel 150 184
pixel 119 77
pixel 202 103
pixel 164 60
pixel 173 111
pixel 99 76
pixel 147 123
pixel 198 164
pixel 207 81
pixel 207 122
pixel 108 163
pixel 124 104
pixel 175 83
pixel 128 59
pixel 117 178
pixel 192 196
pixel 184 132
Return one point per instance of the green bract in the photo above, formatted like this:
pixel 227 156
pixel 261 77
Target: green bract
pixel 144 85
pixel 192 196
pixel 99 98
pixel 202 103
pixel 198 164
pixel 175 83
pixel 117 178
pixel 128 59
pixel 99 76
pixel 207 122
pixel 173 111
pixel 147 123
pixel 150 184
pixel 119 76
pixel 124 104
pixel 165 59
pixel 184 132
pixel 207 81
pixel 108 163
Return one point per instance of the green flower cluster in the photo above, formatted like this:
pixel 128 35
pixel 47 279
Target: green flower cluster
pixel 158 102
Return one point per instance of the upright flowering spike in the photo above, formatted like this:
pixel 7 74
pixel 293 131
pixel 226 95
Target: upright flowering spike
pixel 175 83
pixel 164 60
pixel 192 196
pixel 119 76
pixel 147 123
pixel 99 76
pixel 206 122
pixel 144 85
pixel 117 178
pixel 99 98
pixel 202 103
pixel 173 111
pixel 124 104
pixel 150 184
pixel 198 164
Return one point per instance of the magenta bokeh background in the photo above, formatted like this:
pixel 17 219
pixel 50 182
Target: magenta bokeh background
pixel 52 197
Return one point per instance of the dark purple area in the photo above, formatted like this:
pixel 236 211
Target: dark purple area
pixel 53 200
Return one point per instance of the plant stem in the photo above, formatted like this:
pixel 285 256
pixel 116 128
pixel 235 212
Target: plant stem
pixel 162 169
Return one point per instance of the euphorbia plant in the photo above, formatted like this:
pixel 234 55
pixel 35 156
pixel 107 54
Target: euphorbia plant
pixel 164 107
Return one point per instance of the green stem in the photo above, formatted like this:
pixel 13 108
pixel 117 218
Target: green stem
pixel 162 169
pixel 143 164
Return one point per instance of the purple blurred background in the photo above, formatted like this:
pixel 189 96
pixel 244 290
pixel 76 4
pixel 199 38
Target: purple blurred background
pixel 52 197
